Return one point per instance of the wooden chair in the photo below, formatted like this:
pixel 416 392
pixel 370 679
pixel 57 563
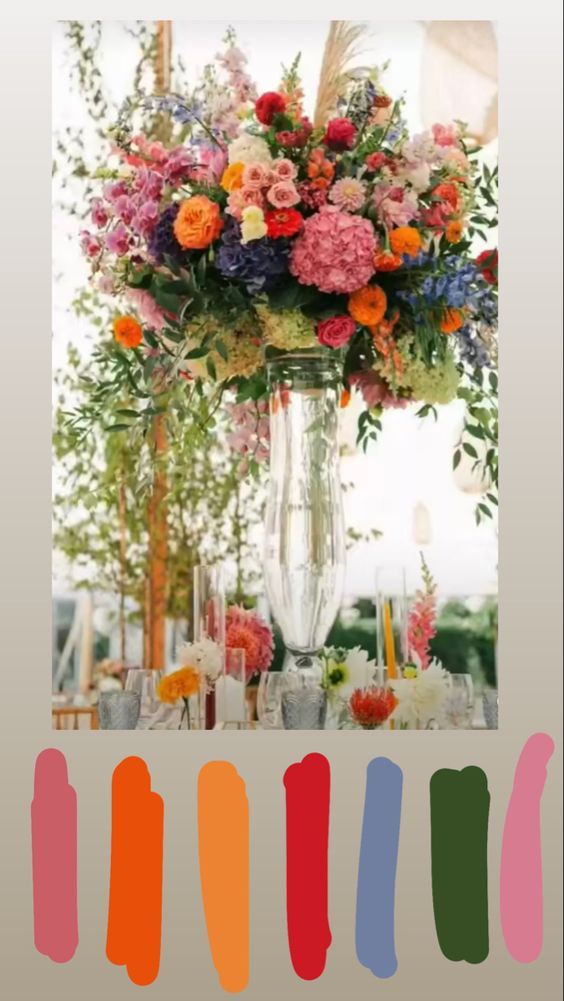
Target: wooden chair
pixel 68 717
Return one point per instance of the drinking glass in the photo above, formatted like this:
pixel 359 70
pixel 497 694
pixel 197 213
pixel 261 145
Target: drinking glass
pixel 458 711
pixel 490 707
pixel 144 684
pixel 119 710
pixel 269 700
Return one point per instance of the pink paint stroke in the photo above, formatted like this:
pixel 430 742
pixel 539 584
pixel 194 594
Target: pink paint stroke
pixel 521 899
pixel 54 858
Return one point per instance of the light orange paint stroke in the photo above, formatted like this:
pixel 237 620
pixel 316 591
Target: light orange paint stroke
pixel 135 904
pixel 223 845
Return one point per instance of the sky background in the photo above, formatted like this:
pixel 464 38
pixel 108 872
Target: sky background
pixel 411 465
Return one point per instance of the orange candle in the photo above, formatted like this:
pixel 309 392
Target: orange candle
pixel 389 642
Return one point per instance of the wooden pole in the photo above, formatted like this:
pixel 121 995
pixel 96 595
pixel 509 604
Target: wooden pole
pixel 158 531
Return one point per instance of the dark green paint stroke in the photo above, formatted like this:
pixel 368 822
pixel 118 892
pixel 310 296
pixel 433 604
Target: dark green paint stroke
pixel 460 806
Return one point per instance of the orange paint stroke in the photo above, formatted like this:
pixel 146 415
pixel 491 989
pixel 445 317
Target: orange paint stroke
pixel 136 871
pixel 223 844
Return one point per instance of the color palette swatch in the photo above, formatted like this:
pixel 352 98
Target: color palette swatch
pixel 458 870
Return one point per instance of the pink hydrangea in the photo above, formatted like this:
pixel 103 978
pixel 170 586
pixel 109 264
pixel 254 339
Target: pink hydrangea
pixel 334 251
pixel 395 206
pixel 146 308
pixel 245 630
pixel 348 194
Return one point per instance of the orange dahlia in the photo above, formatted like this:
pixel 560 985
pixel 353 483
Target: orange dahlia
pixel 127 331
pixel 367 305
pixel 405 240
pixel 452 319
pixel 453 232
pixel 179 685
pixel 198 223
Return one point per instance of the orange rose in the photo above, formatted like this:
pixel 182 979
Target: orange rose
pixel 232 177
pixel 367 305
pixel 405 240
pixel 453 232
pixel 198 223
pixel 452 320
pixel 127 331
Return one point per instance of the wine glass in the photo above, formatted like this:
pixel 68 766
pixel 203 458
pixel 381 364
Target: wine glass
pixel 489 703
pixel 269 700
pixel 458 710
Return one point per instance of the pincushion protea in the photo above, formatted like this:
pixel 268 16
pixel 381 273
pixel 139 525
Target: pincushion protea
pixel 370 707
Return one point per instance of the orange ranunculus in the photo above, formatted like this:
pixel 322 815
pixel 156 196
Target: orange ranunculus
pixel 127 331
pixel 345 398
pixel 452 319
pixel 383 261
pixel 232 177
pixel 453 232
pixel 448 192
pixel 198 223
pixel 405 240
pixel 179 685
pixel 367 305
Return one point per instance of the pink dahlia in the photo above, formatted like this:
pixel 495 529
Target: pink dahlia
pixel 334 251
pixel 348 194
pixel 245 630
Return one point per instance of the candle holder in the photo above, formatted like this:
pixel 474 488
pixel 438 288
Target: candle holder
pixel 230 689
pixel 391 622
pixel 209 623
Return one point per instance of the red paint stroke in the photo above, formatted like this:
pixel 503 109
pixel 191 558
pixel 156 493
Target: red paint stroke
pixel 54 858
pixel 521 853
pixel 308 785
pixel 136 870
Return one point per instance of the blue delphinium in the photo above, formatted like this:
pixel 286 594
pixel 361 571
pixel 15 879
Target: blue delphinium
pixel 472 349
pixel 259 264
pixel 449 282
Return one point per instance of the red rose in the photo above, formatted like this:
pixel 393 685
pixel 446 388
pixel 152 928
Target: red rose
pixel 284 222
pixel 269 105
pixel 487 263
pixel 340 134
pixel 335 332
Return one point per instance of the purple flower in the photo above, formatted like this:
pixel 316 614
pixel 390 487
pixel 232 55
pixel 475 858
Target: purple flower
pixel 118 240
pixel 259 264
pixel 163 242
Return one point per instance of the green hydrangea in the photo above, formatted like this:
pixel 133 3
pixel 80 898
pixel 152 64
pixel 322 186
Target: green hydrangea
pixel 435 385
pixel 287 330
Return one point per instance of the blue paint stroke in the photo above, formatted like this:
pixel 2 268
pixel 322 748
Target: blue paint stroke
pixel 375 899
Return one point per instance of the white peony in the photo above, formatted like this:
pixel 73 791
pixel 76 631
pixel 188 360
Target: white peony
pixel 421 696
pixel 249 149
pixel 205 655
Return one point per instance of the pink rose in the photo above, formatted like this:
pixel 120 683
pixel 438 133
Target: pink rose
pixel 235 204
pixel 376 160
pixel 254 176
pixel 284 170
pixel 252 196
pixel 336 331
pixel 283 195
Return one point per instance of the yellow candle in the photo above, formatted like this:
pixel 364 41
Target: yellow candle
pixel 389 641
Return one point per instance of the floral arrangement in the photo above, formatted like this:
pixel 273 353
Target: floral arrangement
pixel 420 694
pixel 180 684
pixel 371 707
pixel 249 230
pixel 245 630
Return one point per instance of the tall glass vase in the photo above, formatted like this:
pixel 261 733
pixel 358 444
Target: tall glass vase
pixel 305 538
